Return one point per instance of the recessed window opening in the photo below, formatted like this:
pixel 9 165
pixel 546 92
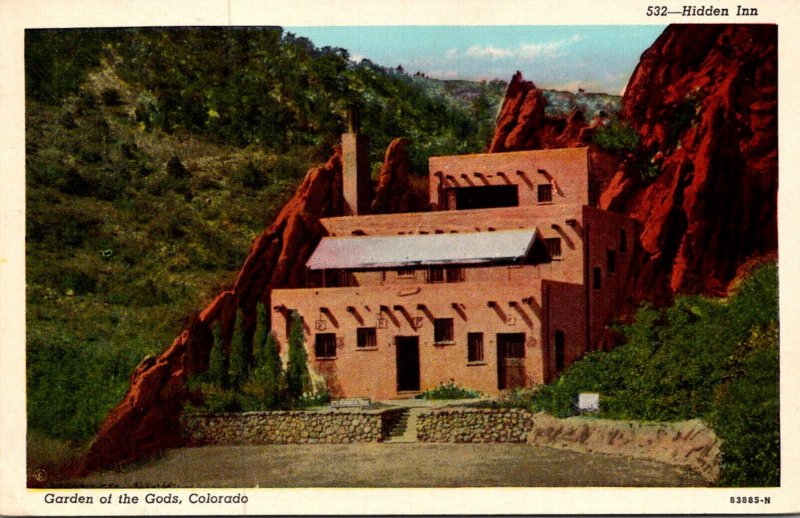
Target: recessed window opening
pixel 454 274
pixel 544 193
pixel 406 272
pixel 623 241
pixel 596 277
pixel 559 347
pixel 611 261
pixel 443 330
pixel 325 345
pixel 553 245
pixel 366 337
pixel 474 347
pixel 435 274
pixel 483 197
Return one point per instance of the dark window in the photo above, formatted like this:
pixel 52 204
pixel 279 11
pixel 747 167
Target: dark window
pixel 443 330
pixel 435 274
pixel 559 346
pixel 367 337
pixel 475 347
pixel 482 197
pixel 455 274
pixel 623 242
pixel 406 272
pixel 596 278
pixel 325 345
pixel 553 245
pixel 611 260
pixel 544 193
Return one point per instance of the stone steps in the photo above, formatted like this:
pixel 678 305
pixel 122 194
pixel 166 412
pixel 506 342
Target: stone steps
pixel 405 430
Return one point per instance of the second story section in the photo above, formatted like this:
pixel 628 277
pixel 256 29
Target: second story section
pixel 516 179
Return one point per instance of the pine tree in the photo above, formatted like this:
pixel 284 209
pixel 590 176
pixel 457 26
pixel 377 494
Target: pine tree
pixel 297 377
pixel 238 361
pixel 219 361
pixel 260 336
pixel 272 373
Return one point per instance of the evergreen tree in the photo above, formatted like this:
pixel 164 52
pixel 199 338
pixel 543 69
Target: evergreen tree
pixel 297 377
pixel 272 371
pixel 260 336
pixel 238 361
pixel 219 361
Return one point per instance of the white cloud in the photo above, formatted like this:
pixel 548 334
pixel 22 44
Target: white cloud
pixel 451 53
pixel 356 58
pixel 523 50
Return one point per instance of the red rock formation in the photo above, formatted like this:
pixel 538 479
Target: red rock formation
pixel 394 193
pixel 704 100
pixel 520 119
pixel 147 418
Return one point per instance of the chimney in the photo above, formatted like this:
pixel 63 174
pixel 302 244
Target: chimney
pixel 356 174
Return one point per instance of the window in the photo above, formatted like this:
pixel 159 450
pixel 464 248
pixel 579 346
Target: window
pixel 544 193
pixel 455 274
pixel 366 337
pixel 435 274
pixel 559 346
pixel 443 330
pixel 475 347
pixel 623 241
pixel 553 245
pixel 406 273
pixel 611 261
pixel 596 277
pixel 325 345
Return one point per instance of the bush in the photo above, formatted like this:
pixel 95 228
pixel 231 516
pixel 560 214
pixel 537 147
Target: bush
pixel 617 137
pixel 699 358
pixel 449 390
pixel 747 413
pixel 218 362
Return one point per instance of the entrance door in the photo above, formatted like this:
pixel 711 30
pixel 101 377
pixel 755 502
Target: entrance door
pixel 407 348
pixel 510 360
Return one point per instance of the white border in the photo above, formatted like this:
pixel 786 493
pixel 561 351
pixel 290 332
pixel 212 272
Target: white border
pixel 16 15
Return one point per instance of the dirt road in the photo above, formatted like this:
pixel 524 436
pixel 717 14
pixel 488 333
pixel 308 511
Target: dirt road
pixel 391 465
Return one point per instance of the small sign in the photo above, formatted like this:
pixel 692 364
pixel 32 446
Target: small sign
pixel 589 402
pixel 417 322
pixel 510 321
pixel 320 325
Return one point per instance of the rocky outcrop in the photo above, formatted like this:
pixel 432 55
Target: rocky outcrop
pixel 147 419
pixel 523 125
pixel 520 119
pixel 394 193
pixel 704 101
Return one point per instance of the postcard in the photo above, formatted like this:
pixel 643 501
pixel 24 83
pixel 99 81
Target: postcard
pixel 513 257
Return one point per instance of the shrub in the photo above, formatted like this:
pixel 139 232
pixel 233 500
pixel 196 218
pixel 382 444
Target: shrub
pixel 449 390
pixel 617 137
pixel 747 413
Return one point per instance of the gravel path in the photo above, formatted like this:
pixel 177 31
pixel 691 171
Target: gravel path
pixel 391 465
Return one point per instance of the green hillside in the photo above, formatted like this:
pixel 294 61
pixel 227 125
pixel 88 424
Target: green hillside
pixel 153 160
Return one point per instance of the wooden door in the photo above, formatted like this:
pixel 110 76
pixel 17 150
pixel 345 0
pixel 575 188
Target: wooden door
pixel 510 360
pixel 407 350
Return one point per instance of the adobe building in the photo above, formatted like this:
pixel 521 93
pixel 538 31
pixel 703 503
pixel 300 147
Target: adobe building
pixel 508 280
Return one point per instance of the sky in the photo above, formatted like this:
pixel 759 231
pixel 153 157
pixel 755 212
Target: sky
pixel 597 58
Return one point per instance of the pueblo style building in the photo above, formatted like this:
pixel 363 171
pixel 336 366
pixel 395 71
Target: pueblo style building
pixel 511 277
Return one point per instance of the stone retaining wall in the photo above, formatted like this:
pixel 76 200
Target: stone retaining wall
pixel 289 427
pixel 474 425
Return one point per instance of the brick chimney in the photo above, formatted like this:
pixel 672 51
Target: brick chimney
pixel 356 174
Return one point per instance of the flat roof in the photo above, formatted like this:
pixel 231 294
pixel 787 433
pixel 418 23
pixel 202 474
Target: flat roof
pixel 365 252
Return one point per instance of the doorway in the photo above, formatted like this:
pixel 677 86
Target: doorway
pixel 510 360
pixel 407 350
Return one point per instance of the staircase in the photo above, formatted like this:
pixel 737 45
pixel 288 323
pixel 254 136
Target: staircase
pixel 405 430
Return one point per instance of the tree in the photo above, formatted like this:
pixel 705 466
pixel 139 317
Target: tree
pixel 297 377
pixel 239 362
pixel 219 361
